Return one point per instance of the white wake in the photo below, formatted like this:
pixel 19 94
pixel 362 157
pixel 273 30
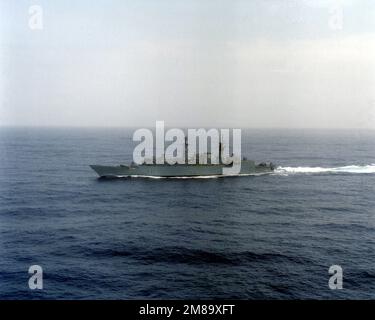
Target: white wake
pixel 346 169
pixel 353 169
pixel 192 177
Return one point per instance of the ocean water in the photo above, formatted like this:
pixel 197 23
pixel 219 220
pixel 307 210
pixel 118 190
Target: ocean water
pixel 255 237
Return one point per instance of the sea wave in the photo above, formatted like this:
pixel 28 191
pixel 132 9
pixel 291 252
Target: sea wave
pixel 345 169
pixel 180 254
pixel 352 169
pixel 191 177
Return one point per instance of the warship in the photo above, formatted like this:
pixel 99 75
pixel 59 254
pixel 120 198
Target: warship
pixel 248 167
pixel 186 170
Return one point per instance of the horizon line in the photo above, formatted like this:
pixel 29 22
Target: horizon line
pixel 170 127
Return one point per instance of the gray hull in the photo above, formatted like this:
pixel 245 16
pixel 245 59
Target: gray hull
pixel 178 170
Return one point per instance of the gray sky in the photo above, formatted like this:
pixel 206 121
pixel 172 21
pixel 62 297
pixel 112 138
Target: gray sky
pixel 287 63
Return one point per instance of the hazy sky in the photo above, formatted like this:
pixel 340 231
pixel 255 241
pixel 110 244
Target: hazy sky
pixel 268 63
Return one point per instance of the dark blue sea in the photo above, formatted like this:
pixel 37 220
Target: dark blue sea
pixel 254 237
